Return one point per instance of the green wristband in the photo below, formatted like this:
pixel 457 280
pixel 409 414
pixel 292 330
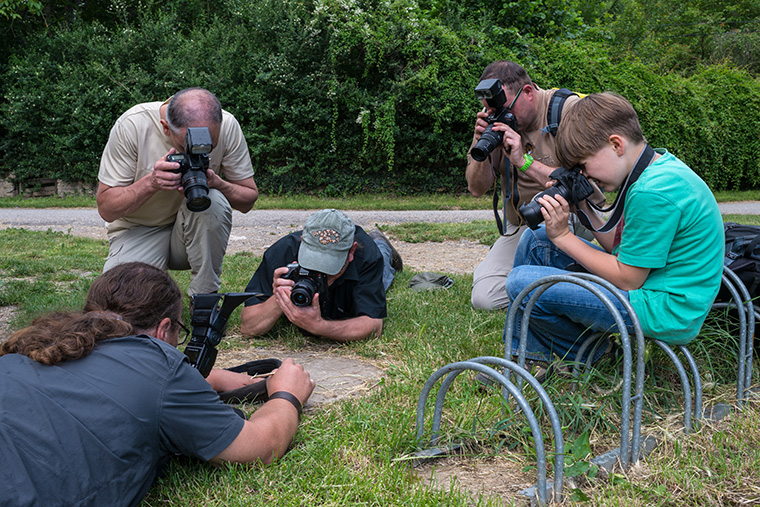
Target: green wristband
pixel 528 161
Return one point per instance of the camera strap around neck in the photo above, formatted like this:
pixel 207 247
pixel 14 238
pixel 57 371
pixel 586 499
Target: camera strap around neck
pixel 645 160
pixel 509 193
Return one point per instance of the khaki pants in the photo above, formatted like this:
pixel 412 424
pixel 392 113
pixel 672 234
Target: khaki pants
pixel 488 281
pixel 490 277
pixel 196 241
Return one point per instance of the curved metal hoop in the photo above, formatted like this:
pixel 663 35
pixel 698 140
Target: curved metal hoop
pixel 480 364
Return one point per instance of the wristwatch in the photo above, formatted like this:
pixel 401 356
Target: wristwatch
pixel 528 161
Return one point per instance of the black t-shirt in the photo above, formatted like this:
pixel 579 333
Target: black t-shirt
pixel 359 291
pixel 92 431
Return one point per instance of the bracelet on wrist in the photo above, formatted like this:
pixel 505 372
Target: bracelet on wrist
pixel 284 395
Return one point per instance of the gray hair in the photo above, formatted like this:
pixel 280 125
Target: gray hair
pixel 193 105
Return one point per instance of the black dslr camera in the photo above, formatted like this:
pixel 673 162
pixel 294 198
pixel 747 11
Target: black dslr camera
pixel 307 284
pixel 491 91
pixel 570 184
pixel 209 323
pixel 193 165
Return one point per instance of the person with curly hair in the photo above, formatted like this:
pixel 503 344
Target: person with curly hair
pixel 92 403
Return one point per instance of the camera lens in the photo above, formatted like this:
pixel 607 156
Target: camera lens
pixel 488 142
pixel 303 292
pixel 196 190
pixel 531 211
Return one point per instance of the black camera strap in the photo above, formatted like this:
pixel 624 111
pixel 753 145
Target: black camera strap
pixel 645 160
pixel 509 192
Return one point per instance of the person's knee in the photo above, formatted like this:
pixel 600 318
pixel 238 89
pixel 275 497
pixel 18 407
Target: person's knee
pixel 532 237
pixel 518 279
pixel 214 220
pixel 480 302
pixel 491 296
pixel 220 209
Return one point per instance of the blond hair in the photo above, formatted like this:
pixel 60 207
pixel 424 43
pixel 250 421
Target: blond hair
pixel 587 125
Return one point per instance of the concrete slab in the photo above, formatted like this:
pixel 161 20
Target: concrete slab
pixel 336 376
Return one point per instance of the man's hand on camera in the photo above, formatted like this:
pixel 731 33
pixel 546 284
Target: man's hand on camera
pixel 163 176
pixel 213 180
pixel 279 280
pixel 512 143
pixel 480 124
pixel 305 317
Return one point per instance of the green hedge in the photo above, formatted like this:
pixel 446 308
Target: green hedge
pixel 339 97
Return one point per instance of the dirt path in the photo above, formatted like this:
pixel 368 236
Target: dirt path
pixel 257 230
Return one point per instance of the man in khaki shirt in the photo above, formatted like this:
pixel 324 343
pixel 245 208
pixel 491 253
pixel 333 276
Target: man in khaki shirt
pixel 531 152
pixel 141 198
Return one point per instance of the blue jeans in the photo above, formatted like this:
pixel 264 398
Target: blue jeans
pixel 566 313
pixel 388 272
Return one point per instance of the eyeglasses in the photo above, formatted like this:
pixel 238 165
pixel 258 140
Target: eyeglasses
pixel 185 330
pixel 515 99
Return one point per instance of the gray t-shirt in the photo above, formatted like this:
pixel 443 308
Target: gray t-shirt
pixel 92 431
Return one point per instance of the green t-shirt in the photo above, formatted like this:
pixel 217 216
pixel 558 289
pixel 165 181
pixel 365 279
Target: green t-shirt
pixel 673 227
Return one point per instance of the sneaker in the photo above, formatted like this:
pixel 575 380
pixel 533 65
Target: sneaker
pixel 541 370
pixel 396 263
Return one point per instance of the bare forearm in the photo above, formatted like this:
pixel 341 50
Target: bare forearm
pixel 479 176
pixel 117 202
pixel 240 196
pixel 266 436
pixel 268 433
pixel 605 239
pixel 602 263
pixel 539 172
pixel 259 319
pixel 354 329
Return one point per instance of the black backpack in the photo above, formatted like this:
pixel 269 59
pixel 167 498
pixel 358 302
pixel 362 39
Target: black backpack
pixel 743 256
pixel 554 111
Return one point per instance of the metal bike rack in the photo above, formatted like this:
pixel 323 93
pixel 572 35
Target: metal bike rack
pixel 746 313
pixel 480 364
pixel 630 438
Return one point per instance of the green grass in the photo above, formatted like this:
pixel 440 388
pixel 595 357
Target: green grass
pixel 355 452
pixel 357 202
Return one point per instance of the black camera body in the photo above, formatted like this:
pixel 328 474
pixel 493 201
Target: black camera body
pixel 193 164
pixel 569 183
pixel 209 323
pixel 307 284
pixel 491 91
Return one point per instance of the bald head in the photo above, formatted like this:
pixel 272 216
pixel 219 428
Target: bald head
pixel 193 107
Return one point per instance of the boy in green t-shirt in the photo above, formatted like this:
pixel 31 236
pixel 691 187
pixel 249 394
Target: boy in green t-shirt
pixel 665 255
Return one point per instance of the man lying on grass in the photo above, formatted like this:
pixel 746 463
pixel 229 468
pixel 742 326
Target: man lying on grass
pixel 328 279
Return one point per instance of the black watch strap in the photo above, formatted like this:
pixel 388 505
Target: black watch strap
pixel 289 397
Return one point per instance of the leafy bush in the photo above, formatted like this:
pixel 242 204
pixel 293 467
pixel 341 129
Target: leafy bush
pixel 343 96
